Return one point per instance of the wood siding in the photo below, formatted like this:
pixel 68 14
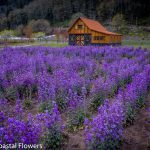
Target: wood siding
pixel 115 38
pixel 104 40
pixel 74 29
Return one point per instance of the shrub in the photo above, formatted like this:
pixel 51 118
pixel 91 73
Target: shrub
pixel 19 30
pixel 45 106
pixel 76 111
pixel 18 130
pixel 118 22
pixel 130 115
pixel 40 25
pixel 11 93
pixel 38 34
pixel 97 101
pixel 49 69
pixel 75 119
pixel 140 102
pixel 53 136
pixel 104 131
pixel 61 99
pixel 7 33
pixel 27 103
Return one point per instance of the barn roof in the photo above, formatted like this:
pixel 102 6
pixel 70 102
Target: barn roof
pixel 95 26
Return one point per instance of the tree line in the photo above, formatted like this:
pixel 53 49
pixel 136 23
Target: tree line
pixel 14 13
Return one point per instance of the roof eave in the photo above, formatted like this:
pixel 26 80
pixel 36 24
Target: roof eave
pixel 73 24
pixel 82 18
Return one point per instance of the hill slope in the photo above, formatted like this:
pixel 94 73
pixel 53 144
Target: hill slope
pixel 15 12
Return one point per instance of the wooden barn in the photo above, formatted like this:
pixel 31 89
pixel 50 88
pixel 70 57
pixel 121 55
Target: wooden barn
pixel 90 32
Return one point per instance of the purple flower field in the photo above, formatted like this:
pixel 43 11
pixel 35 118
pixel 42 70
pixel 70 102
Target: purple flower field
pixel 46 92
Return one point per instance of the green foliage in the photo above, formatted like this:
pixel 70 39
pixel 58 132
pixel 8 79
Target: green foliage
pixel 27 103
pixel 53 139
pixel 57 44
pixel 19 30
pixel 104 9
pixel 75 119
pixel 45 106
pixel 10 93
pixel 1 90
pixel 49 69
pixel 3 23
pixel 113 92
pixel 62 24
pixel 61 101
pixel 130 115
pixel 17 17
pixel 25 91
pixel 38 34
pixel 123 83
pixel 76 16
pixel 109 144
pixel 40 25
pixel 16 12
pixel 140 101
pixel 7 33
pixel 97 100
pixel 118 22
pixel 132 110
pixel 137 43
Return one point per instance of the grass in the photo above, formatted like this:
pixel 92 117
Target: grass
pixel 137 43
pixel 52 44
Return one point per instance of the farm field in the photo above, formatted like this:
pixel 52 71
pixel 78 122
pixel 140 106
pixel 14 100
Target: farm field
pixel 132 42
pixel 75 97
pixel 51 44
pixel 137 43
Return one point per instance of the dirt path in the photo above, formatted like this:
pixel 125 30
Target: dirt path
pixel 76 142
pixel 137 136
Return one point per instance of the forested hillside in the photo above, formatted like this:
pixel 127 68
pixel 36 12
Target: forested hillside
pixel 17 12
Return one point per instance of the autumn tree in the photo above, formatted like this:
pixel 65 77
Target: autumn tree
pixel 27 32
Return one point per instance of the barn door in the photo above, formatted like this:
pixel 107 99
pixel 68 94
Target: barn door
pixel 79 39
pixel 87 39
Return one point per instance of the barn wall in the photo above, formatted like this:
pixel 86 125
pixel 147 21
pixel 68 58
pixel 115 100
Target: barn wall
pixel 115 38
pixel 96 34
pixel 108 39
pixel 74 29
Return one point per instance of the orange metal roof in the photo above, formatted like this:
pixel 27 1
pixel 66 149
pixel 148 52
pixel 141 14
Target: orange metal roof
pixel 95 26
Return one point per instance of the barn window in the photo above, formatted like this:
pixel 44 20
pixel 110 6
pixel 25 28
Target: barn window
pixel 95 37
pixel 99 38
pixel 80 26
